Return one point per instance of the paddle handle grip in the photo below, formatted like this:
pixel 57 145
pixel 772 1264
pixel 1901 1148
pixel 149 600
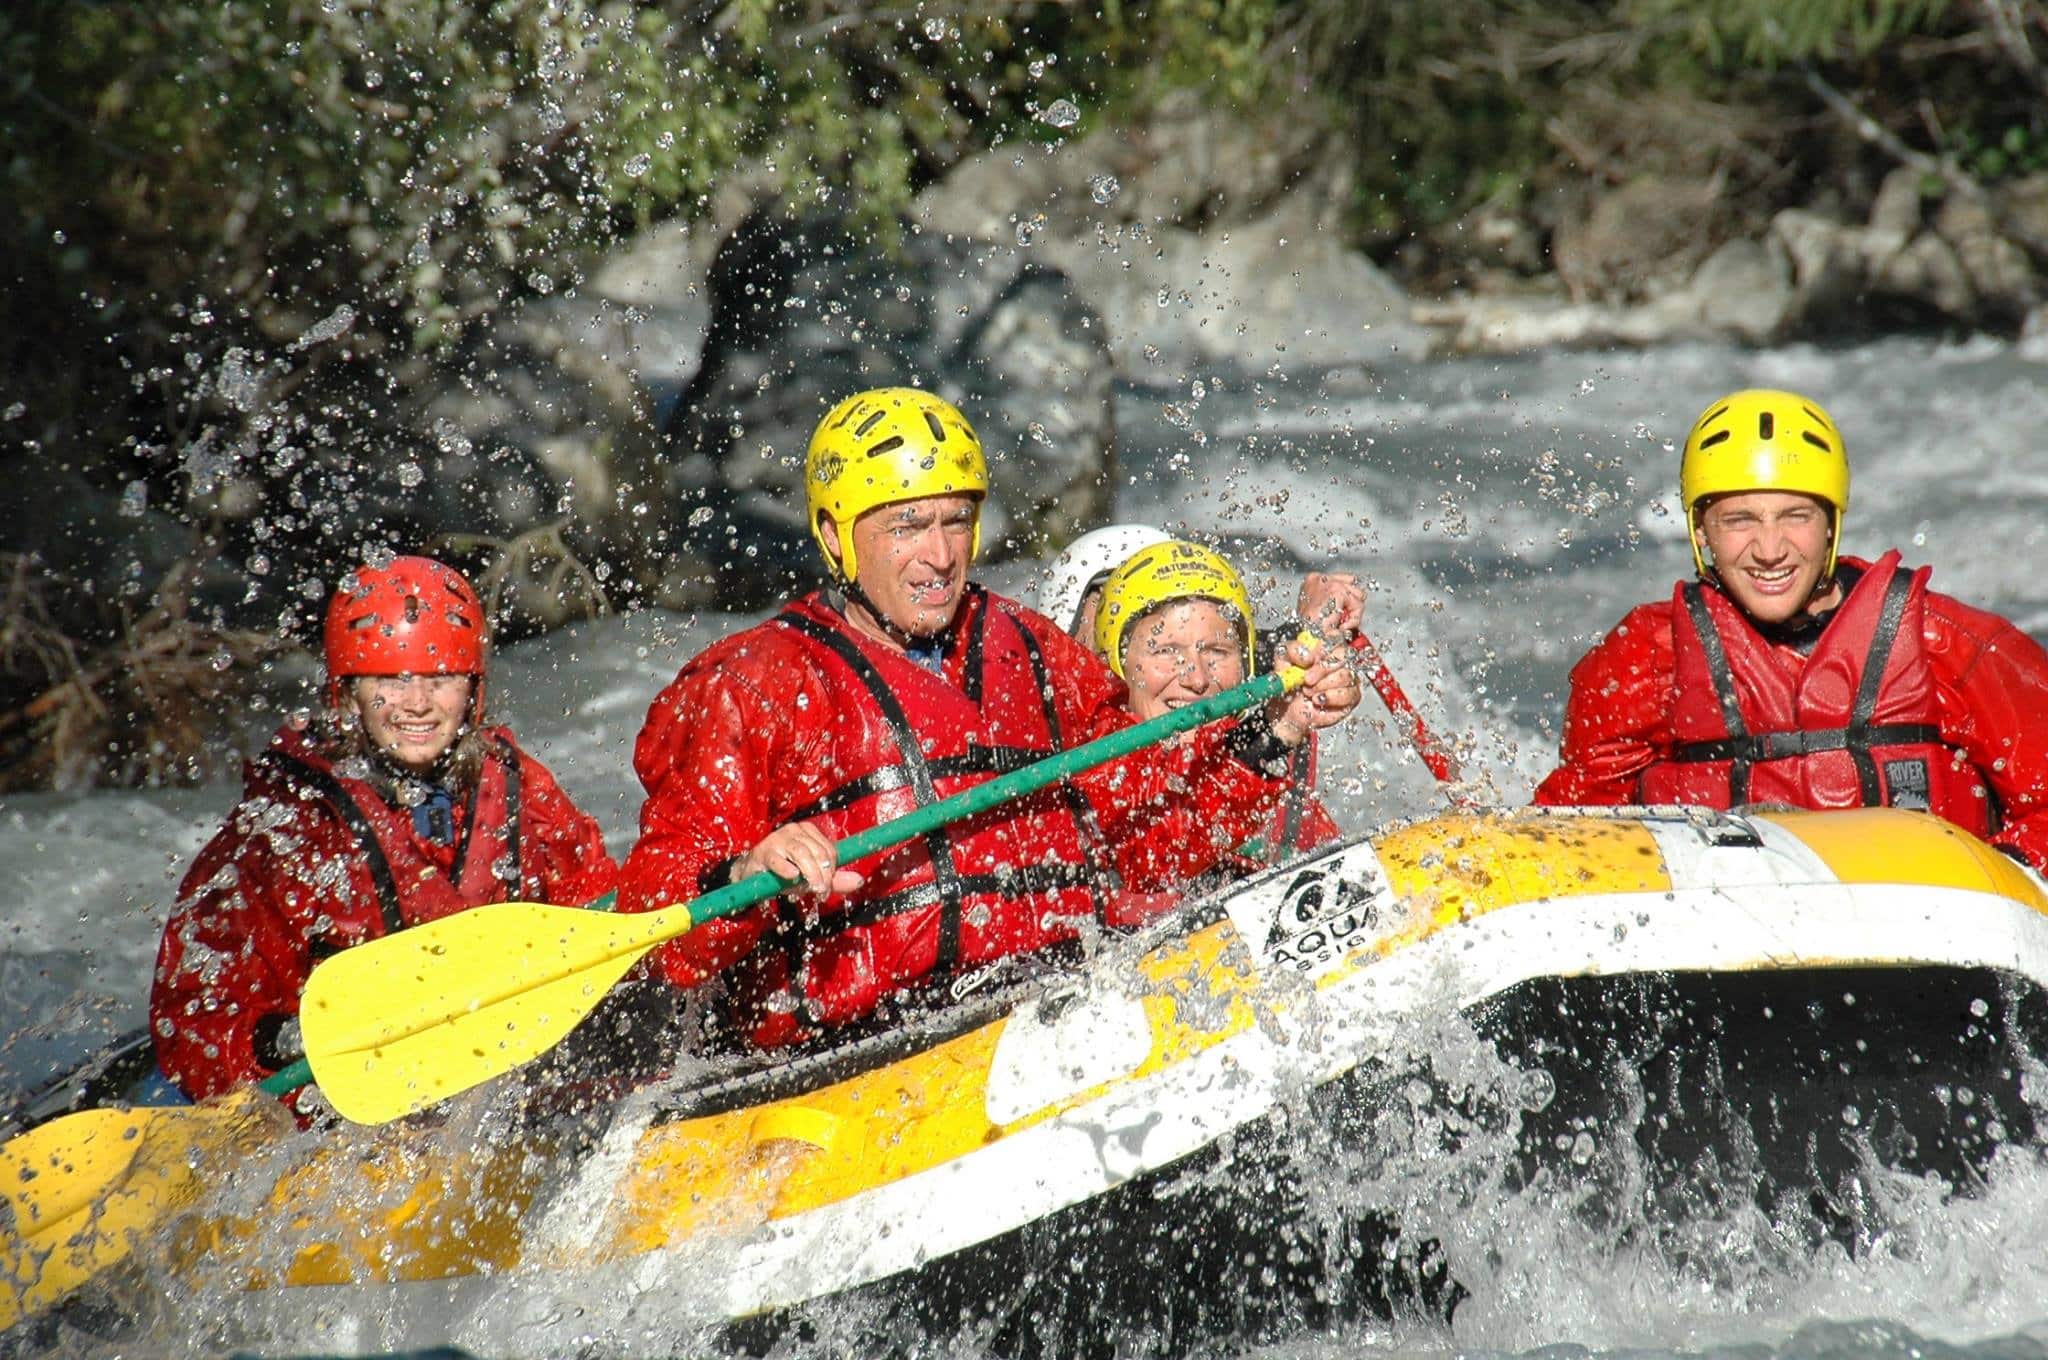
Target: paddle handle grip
pixel 1382 680
pixel 286 1080
pixel 970 802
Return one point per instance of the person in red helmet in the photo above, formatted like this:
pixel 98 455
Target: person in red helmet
pixel 1791 673
pixel 398 804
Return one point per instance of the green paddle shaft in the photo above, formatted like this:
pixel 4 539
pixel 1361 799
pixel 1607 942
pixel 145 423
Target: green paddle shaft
pixel 764 885
pixel 287 1079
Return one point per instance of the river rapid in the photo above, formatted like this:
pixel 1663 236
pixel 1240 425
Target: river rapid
pixel 1504 513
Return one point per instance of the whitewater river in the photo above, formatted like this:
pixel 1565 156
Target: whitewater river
pixel 1505 513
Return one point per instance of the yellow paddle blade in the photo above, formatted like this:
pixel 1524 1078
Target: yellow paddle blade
pixel 83 1190
pixel 398 1023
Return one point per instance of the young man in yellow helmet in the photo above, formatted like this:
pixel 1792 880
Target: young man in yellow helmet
pixel 900 684
pixel 1175 622
pixel 1788 673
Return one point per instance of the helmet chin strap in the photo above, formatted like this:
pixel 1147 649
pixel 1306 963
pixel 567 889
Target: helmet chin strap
pixel 852 594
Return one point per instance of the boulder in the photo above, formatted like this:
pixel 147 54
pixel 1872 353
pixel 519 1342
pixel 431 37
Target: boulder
pixel 807 308
pixel 1202 237
pixel 1744 289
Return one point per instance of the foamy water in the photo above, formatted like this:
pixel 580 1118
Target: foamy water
pixel 1504 514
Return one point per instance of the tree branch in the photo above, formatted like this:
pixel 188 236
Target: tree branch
pixel 1870 130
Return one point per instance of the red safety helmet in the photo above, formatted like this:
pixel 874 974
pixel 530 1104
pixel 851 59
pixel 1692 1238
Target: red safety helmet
pixel 415 616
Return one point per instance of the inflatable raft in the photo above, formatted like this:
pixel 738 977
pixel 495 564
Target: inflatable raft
pixel 1138 1152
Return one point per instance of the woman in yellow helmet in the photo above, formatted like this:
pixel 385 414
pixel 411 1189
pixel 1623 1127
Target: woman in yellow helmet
pixel 1789 672
pixel 1175 622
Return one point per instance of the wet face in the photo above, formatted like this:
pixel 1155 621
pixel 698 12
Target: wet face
pixel 1181 652
pixel 911 560
pixel 1769 549
pixel 1084 622
pixel 413 719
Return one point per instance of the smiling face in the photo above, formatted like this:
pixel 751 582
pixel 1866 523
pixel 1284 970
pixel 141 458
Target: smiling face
pixel 911 560
pixel 1769 549
pixel 1181 652
pixel 413 719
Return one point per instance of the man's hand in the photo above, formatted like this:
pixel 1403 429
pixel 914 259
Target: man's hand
pixel 1332 605
pixel 1328 693
pixel 801 853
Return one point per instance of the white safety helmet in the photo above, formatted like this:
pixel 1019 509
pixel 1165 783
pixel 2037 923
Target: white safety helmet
pixel 1086 564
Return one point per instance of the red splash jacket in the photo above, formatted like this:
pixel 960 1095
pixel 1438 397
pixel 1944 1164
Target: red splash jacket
pixel 1908 699
pixel 802 718
pixel 311 862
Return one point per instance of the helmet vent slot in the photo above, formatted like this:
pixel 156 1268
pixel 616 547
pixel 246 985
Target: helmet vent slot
pixel 1717 437
pixel 1810 437
pixel 889 445
pixel 874 418
pixel 938 430
pixel 1766 426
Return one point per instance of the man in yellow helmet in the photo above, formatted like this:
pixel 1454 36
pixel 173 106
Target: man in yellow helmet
pixel 900 684
pixel 1789 673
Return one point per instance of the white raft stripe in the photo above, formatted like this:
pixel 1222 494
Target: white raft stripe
pixel 1726 851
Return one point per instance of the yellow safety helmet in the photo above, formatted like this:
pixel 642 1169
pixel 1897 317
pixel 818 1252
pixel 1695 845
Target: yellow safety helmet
pixel 883 446
pixel 1160 575
pixel 1764 440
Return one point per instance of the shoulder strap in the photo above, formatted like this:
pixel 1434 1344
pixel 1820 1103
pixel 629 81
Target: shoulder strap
pixel 916 771
pixel 498 751
pixel 1716 652
pixel 324 785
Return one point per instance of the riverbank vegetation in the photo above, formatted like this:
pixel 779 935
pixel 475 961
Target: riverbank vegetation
pixel 241 231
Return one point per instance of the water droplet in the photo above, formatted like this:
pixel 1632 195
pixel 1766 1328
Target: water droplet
pixel 1103 188
pixel 540 283
pixel 935 29
pixel 410 475
pixel 1061 114
pixel 1030 229
pixel 639 165
pixel 134 499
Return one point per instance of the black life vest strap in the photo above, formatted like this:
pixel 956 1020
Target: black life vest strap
pixel 1889 618
pixel 507 870
pixel 323 784
pixel 1784 745
pixel 945 876
pixel 1007 881
pixel 1723 675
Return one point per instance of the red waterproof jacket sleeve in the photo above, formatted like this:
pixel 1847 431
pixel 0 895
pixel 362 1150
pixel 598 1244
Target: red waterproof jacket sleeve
pixel 562 845
pixel 1617 719
pixel 237 950
pixel 712 746
pixel 1992 681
